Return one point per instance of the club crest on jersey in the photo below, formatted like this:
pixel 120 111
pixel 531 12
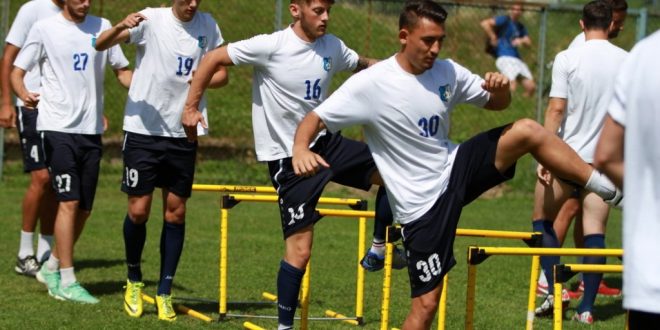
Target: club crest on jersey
pixel 94 42
pixel 445 92
pixel 327 63
pixel 202 41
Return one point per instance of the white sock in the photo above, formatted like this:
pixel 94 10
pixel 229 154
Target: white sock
pixel 284 327
pixel 542 279
pixel 68 277
pixel 53 264
pixel 378 247
pixel 25 248
pixel 601 185
pixel 44 244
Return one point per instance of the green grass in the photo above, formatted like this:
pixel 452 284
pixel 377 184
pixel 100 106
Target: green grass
pixel 255 248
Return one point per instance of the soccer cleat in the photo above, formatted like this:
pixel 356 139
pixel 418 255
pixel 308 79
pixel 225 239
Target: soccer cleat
pixel 574 294
pixel 133 298
pixel 547 307
pixel 165 309
pixel 603 289
pixel 584 317
pixel 373 262
pixel 76 293
pixel 51 280
pixel 28 266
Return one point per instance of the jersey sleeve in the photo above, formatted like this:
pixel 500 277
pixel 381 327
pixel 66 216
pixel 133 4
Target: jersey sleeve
pixel 347 106
pixel 25 19
pixel 468 87
pixel 560 77
pixel 116 58
pixel 32 51
pixel 349 57
pixel 618 103
pixel 136 34
pixel 254 51
pixel 217 39
pixel 500 20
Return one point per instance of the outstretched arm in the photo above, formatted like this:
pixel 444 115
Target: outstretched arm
pixel 304 161
pixel 609 152
pixel 489 27
pixel 210 68
pixel 363 63
pixel 30 99
pixel 500 93
pixel 125 76
pixel 118 33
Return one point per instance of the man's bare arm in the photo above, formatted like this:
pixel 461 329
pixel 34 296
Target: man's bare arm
pixel 7 114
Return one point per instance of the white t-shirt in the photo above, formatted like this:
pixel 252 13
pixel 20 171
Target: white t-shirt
pixel 579 40
pixel 636 106
pixel 72 72
pixel 168 52
pixel 584 76
pixel 406 122
pixel 291 78
pixel 27 15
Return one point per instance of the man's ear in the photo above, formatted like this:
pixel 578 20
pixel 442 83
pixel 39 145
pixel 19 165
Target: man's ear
pixel 403 36
pixel 582 25
pixel 294 9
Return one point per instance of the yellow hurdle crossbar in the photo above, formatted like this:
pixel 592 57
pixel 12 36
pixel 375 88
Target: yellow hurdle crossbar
pixel 273 198
pixel 233 188
pixel 252 326
pixel 181 309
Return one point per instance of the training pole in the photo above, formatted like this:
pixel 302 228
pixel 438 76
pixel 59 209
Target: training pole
pixel 181 309
pixel 531 298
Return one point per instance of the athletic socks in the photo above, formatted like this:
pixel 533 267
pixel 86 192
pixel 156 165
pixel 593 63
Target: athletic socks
pixel 44 246
pixel 378 247
pixel 288 288
pixel 382 219
pixel 135 235
pixel 25 248
pixel 68 277
pixel 53 264
pixel 591 280
pixel 549 241
pixel 171 246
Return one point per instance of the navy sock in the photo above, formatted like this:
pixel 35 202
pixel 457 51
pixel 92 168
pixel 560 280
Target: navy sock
pixel 135 235
pixel 549 241
pixel 288 288
pixel 591 280
pixel 171 246
pixel 383 216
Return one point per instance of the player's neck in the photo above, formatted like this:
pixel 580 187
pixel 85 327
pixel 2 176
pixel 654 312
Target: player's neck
pixel 595 35
pixel 300 32
pixel 71 18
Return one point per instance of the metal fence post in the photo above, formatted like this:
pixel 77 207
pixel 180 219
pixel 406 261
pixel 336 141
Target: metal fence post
pixel 5 28
pixel 278 15
pixel 642 21
pixel 541 65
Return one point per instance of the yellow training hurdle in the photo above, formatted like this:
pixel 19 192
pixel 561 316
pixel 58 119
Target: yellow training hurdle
pixel 180 308
pixel 477 255
pixel 530 238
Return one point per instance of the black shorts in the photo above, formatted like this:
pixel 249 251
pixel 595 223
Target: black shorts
pixel 429 240
pixel 157 161
pixel 73 161
pixel 32 142
pixel 351 165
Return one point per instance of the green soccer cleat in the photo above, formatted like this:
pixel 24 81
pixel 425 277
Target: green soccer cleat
pixel 50 279
pixel 165 309
pixel 133 298
pixel 76 293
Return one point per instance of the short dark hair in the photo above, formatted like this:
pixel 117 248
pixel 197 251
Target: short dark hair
pixel 597 15
pixel 307 2
pixel 618 5
pixel 414 10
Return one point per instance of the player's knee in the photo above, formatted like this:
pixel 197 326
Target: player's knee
pixel 426 307
pixel 40 178
pixel 138 216
pixel 529 130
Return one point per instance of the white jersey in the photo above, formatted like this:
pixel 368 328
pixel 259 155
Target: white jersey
pixel 291 78
pixel 406 122
pixel 578 41
pixel 27 15
pixel 72 72
pixel 636 106
pixel 168 52
pixel 584 77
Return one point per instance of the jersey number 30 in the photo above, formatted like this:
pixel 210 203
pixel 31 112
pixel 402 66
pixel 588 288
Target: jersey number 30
pixel 429 126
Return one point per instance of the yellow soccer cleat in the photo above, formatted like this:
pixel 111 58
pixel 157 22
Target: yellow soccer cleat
pixel 165 309
pixel 133 298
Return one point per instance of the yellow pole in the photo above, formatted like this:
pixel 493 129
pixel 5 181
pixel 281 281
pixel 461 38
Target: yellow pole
pixel 274 198
pixel 252 326
pixel 469 304
pixel 531 298
pixel 494 233
pixel 223 261
pixel 181 309
pixel 558 313
pixel 304 302
pixel 233 188
pixel 516 251
pixel 443 304
pixel 387 281
pixel 359 295
pixel 269 296
pixel 336 315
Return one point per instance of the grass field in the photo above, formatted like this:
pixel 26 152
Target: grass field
pixel 255 248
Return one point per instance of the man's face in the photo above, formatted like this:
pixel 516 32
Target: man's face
pixel 422 43
pixel 618 19
pixel 185 9
pixel 78 9
pixel 313 17
pixel 515 12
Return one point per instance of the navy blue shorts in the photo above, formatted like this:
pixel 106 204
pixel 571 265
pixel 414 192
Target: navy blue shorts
pixel 73 161
pixel 351 165
pixel 157 161
pixel 429 240
pixel 32 142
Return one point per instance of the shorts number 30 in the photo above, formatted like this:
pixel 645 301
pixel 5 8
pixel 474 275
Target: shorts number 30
pixel 429 268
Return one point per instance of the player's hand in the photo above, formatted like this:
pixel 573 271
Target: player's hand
pixel 131 21
pixel 7 116
pixel 105 123
pixel 189 119
pixel 493 41
pixel 307 163
pixel 543 175
pixel 495 82
pixel 31 100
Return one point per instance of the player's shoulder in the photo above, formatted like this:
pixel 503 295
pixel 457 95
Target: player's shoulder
pixel 206 17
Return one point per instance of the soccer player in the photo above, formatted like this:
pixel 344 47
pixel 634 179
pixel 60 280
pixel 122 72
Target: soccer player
pixel 293 69
pixel 170 42
pixel 70 118
pixel 619 13
pixel 506 33
pixel 39 201
pixel 632 123
pixel 582 82
pixel 404 104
